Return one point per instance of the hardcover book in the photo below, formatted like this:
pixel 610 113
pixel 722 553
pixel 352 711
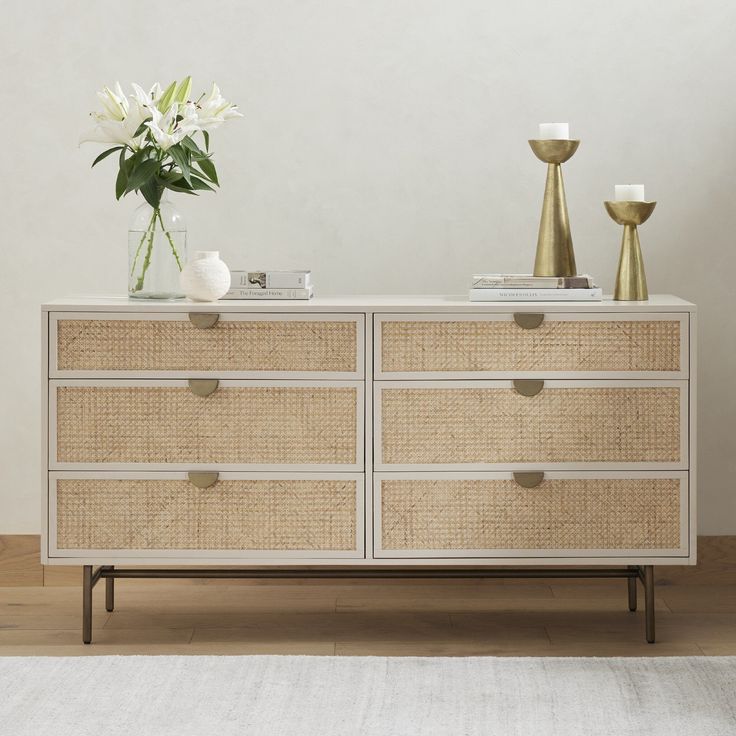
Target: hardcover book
pixel 271 279
pixel 258 293
pixel 536 295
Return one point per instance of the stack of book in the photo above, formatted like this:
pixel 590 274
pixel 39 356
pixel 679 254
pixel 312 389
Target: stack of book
pixel 270 285
pixel 519 287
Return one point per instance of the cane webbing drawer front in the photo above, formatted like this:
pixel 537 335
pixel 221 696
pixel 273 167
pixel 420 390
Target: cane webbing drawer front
pixel 467 346
pixel 243 423
pixel 247 345
pixel 484 423
pixel 238 515
pixel 495 516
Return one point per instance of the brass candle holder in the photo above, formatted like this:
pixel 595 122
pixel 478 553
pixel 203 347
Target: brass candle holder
pixel 631 281
pixel 555 256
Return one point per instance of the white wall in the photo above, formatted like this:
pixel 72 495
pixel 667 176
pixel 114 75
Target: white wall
pixel 384 146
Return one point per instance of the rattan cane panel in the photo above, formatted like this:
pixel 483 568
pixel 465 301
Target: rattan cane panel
pixel 498 425
pixel 250 345
pixel 238 425
pixel 574 345
pixel 231 515
pixel 574 514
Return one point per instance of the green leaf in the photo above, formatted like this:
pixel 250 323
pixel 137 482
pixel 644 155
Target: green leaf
pixel 120 184
pixel 131 163
pixel 180 185
pixel 200 184
pixel 141 174
pixel 142 154
pixel 180 182
pixel 151 193
pixel 209 170
pixel 167 97
pixel 142 128
pixel 192 146
pixel 105 154
pixel 122 178
pixel 166 176
pixel 181 160
pixel 183 90
pixel 206 136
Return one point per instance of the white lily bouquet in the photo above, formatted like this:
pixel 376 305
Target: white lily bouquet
pixel 152 134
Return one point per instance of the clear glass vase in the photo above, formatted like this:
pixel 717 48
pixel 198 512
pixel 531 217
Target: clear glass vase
pixel 157 251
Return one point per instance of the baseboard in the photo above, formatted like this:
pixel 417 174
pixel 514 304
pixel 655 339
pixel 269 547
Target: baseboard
pixel 20 564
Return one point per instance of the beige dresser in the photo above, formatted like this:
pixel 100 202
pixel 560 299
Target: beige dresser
pixel 369 436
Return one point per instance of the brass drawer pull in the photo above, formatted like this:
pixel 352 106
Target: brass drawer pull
pixel 528 320
pixel 528 386
pixel 203 320
pixel 203 386
pixel 203 480
pixel 528 480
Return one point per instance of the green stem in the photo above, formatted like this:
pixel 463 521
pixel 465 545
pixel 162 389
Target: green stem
pixel 151 225
pixel 149 251
pixel 170 239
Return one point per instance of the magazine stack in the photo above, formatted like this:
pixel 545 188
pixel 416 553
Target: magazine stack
pixel 516 287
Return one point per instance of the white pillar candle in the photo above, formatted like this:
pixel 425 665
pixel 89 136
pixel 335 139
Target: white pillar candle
pixel 630 193
pixel 554 131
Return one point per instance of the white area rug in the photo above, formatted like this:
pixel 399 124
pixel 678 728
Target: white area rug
pixel 280 696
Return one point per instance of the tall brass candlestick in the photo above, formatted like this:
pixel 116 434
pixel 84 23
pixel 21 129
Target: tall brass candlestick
pixel 631 280
pixel 555 256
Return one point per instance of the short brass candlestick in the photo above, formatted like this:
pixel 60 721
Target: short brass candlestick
pixel 555 256
pixel 631 281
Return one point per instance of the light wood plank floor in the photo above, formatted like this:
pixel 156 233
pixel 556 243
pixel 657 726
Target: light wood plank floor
pixel 412 617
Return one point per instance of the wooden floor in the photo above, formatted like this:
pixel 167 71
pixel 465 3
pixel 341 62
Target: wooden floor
pixel 40 613
pixel 462 617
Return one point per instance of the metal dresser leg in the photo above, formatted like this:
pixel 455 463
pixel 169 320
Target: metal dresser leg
pixel 649 599
pixel 110 592
pixel 631 582
pixel 87 585
pixel 645 573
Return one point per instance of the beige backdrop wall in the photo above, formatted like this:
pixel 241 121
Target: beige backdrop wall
pixel 384 147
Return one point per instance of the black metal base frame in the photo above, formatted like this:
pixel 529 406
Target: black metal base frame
pixel 632 573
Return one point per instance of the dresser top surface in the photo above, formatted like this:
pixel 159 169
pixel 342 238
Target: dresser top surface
pixel 362 303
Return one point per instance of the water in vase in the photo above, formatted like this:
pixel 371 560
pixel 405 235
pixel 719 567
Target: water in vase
pixel 157 250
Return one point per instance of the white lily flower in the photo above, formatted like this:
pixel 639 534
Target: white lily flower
pixel 118 122
pixel 115 103
pixel 190 118
pixel 146 99
pixel 214 110
pixel 156 92
pixel 144 102
pixel 114 132
pixel 166 130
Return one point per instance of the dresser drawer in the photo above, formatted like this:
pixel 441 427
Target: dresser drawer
pixel 566 515
pixel 264 425
pixel 567 424
pixel 241 515
pixel 169 345
pixel 492 346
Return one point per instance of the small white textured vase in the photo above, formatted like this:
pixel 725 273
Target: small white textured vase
pixel 205 278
